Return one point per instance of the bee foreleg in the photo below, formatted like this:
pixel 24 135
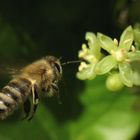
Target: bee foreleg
pixel 43 85
pixel 35 101
pixel 56 91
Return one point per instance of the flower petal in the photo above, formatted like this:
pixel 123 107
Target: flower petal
pixel 93 44
pixel 126 38
pixel 136 78
pixel 136 72
pixel 105 65
pixel 133 56
pixel 106 42
pixel 126 74
pixel 87 73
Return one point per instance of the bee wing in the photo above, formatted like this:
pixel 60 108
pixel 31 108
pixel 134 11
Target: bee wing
pixel 11 71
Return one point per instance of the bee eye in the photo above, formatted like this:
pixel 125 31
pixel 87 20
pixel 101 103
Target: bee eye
pixel 57 66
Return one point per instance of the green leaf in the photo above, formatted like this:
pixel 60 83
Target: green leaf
pixel 43 123
pixel 133 56
pixel 137 34
pixel 136 78
pixel 105 65
pixel 106 115
pixel 136 72
pixel 126 38
pixel 93 44
pixel 106 42
pixel 87 73
pixel 126 74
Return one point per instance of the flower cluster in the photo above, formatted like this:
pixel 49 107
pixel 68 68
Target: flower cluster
pixel 118 62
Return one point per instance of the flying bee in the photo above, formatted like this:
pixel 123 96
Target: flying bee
pixel 37 79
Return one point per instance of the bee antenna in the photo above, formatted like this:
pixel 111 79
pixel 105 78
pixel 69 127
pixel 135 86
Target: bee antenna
pixel 71 62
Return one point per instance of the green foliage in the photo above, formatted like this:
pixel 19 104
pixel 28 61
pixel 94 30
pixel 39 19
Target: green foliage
pixel 137 35
pixel 106 116
pixel 36 129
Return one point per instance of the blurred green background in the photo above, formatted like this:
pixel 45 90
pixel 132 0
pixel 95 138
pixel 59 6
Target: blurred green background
pixel 32 29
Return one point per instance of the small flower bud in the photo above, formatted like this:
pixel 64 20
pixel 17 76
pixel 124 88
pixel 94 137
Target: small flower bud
pixel 114 83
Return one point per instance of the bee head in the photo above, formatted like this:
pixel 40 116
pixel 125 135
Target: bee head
pixel 55 65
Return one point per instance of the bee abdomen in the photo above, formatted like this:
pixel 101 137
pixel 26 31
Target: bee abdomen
pixel 7 105
pixel 13 94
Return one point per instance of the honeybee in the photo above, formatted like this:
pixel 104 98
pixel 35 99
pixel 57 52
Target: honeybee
pixel 37 79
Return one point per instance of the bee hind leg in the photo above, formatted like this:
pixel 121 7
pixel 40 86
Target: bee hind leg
pixel 27 108
pixel 35 101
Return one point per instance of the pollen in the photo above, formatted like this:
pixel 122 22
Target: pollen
pixel 133 48
pixel 115 41
pixel 119 55
pixel 82 66
pixel 84 51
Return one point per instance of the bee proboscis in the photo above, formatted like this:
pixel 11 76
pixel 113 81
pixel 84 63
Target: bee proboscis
pixel 36 79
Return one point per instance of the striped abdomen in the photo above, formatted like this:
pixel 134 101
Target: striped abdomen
pixel 14 94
